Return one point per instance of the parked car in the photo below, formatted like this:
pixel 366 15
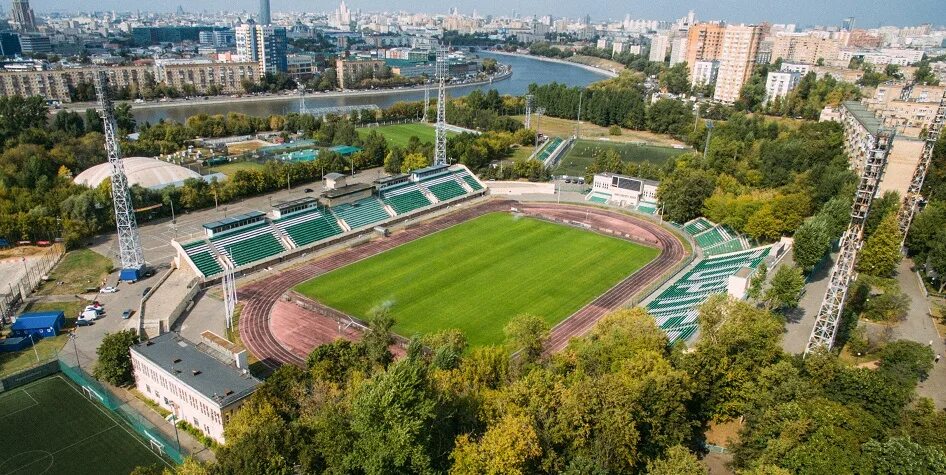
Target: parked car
pixel 308 190
pixel 109 290
pixel 89 316
pixel 127 314
pixel 92 308
pixel 145 291
pixel 83 323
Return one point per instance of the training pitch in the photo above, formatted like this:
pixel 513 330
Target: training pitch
pixel 584 152
pixel 49 426
pixel 479 274
pixel 400 134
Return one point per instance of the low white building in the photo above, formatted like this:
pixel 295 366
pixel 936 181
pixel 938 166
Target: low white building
pixel 705 72
pixel 779 84
pixel 801 68
pixel 623 190
pixel 196 387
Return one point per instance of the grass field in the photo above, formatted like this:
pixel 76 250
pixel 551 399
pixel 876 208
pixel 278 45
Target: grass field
pixel 477 275
pixel 584 152
pixel 557 127
pixel 46 348
pixel 233 167
pixel 400 134
pixel 79 269
pixel 51 427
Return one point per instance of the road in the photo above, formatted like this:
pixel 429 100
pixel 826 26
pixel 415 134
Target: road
pixel 799 323
pixel 919 327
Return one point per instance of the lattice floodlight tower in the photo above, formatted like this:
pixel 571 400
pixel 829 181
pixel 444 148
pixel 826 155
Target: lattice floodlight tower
pixel 129 243
pixel 528 120
pixel 913 197
pixel 440 146
pixel 829 316
pixel 426 100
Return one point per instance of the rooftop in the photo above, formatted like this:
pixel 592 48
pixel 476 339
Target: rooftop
pixel 280 205
pixel 37 320
pixel 234 219
pixel 222 383
pixel 865 117
pixel 346 190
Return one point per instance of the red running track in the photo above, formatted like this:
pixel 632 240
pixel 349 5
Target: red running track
pixel 261 297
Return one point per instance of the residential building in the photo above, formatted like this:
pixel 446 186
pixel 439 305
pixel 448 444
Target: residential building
pixel 22 16
pixel 704 43
pixel 265 45
pixel 779 84
pixel 678 50
pixel 205 74
pixel 350 71
pixel 192 383
pixel 800 68
pixel 736 60
pixel 658 48
pixel 805 48
pixel 704 72
pixel 301 66
pixel 217 38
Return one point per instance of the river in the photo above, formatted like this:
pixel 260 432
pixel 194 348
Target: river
pixel 525 71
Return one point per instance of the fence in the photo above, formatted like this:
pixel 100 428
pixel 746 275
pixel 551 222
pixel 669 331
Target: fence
pixel 138 422
pixel 25 281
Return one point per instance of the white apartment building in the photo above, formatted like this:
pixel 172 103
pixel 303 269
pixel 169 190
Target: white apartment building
pixel 779 84
pixel 195 386
pixel 704 72
pixel 658 48
pixel 801 68
pixel 678 50
pixel 736 60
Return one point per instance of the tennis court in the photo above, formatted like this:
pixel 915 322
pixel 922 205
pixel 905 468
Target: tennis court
pixel 50 426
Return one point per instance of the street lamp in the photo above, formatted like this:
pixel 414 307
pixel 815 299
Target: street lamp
pixel 74 336
pixel 33 344
pixel 174 423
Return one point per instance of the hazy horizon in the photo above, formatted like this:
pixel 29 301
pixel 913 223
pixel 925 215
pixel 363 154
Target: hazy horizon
pixel 869 13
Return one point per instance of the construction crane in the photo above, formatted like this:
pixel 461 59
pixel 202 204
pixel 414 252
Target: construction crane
pixel 829 315
pixel 129 242
pixel 912 199
pixel 440 145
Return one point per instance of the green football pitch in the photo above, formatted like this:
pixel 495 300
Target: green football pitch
pixel 479 274
pixel 49 426
pixel 400 134
pixel 584 152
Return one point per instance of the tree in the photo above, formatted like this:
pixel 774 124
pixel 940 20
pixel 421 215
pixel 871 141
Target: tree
pixel 114 358
pixel 526 334
pixel 677 461
pixel 900 455
pixel 509 446
pixel 907 359
pixel 683 192
pixel 881 252
pixel 676 79
pixel 414 161
pixel 785 289
pixel 812 242
pixel 757 283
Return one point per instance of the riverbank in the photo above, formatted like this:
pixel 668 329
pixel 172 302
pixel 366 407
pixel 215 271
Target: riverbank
pixel 605 72
pixel 217 100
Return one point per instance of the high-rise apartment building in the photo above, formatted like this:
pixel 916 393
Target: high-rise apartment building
pixel 658 48
pixel 704 43
pixel 264 45
pixel 22 16
pixel 264 12
pixel 804 47
pixel 737 58
pixel 678 49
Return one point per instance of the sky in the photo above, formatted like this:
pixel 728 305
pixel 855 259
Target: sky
pixel 869 13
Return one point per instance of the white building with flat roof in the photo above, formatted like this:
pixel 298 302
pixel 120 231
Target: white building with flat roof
pixel 704 72
pixel 626 191
pixel 191 383
pixel 779 84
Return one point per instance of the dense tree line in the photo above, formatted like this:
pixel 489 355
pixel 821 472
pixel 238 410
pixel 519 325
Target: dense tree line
pixel 806 100
pixel 619 400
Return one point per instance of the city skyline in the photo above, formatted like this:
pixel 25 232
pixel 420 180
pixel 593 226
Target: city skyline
pixel 869 13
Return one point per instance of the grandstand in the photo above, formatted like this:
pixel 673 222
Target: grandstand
pixel 249 244
pixel 548 149
pixel 599 197
pixel 404 198
pixel 361 213
pixel 675 309
pixel 308 226
pixel 715 239
pixel 647 208
pixel 200 254
pixel 444 187
pixel 253 238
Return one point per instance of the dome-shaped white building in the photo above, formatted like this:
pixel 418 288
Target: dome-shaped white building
pixel 143 171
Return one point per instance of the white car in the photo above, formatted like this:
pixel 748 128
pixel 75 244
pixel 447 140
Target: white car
pixel 89 316
pixel 109 290
pixel 93 308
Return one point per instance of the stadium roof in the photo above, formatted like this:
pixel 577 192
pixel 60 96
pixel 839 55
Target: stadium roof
pixel 233 219
pixel 142 171
pixel 220 382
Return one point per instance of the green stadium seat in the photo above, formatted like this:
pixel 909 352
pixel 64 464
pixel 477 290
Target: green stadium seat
pixel 361 213
pixel 308 227
pixel 248 245
pixel 407 202
pixel 199 253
